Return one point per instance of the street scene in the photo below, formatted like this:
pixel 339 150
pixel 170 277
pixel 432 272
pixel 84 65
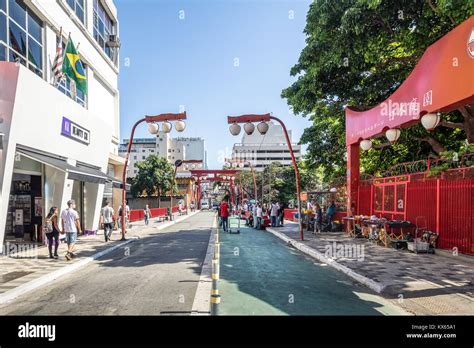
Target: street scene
pixel 273 159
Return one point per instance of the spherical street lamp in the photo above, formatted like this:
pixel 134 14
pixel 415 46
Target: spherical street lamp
pixel 249 128
pixel 153 128
pixel 241 164
pixel 234 129
pixel 393 134
pixel 180 125
pixel 262 127
pixel 430 121
pixel 166 126
pixel 366 145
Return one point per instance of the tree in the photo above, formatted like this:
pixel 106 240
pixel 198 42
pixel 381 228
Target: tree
pixel 358 53
pixel 154 177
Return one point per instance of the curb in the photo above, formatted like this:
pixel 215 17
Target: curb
pixel 10 295
pixel 371 284
pixel 202 300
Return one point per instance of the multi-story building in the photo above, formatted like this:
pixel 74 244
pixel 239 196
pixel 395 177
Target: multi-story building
pixel 261 150
pixel 54 147
pixel 163 146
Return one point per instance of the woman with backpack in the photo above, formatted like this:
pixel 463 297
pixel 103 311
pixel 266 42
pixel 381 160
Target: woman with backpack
pixel 52 231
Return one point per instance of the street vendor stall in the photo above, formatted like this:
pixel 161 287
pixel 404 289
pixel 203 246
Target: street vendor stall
pixel 442 81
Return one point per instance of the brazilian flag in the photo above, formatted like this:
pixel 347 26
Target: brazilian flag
pixel 72 67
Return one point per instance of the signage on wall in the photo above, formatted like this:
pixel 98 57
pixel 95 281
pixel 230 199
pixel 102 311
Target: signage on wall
pixel 74 131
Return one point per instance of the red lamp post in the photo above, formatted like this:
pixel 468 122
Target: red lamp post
pixel 263 128
pixel 153 128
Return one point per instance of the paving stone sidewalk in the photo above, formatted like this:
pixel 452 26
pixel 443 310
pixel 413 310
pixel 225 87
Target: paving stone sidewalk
pixel 424 284
pixel 20 268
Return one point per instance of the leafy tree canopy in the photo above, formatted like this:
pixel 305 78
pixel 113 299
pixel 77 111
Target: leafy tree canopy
pixel 154 177
pixel 358 53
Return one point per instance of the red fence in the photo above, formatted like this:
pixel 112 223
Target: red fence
pixel 138 214
pixel 444 204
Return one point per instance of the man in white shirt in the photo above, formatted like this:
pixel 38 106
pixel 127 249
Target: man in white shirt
pixel 107 215
pixel 259 216
pixel 274 214
pixel 254 213
pixel 71 226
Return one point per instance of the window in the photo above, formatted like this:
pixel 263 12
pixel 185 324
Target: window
pixel 21 35
pixel 134 157
pixel 78 6
pixel 143 157
pixel 103 28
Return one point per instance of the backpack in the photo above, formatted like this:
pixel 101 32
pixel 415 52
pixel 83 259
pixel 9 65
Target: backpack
pixel 48 226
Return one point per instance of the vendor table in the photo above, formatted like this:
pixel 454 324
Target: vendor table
pixel 398 224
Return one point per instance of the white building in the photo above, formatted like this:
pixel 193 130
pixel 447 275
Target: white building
pixel 262 150
pixel 163 146
pixel 54 148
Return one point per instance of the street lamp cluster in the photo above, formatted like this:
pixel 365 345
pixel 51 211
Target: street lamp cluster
pixel 166 126
pixel 249 128
pixel 262 127
pixel 429 122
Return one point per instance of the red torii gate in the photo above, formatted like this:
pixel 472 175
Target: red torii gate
pixel 442 81
pixel 215 172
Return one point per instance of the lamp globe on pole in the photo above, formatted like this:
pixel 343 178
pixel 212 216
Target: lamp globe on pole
pixel 430 121
pixel 366 145
pixel 393 134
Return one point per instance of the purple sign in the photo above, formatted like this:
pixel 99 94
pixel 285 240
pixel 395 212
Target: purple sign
pixel 74 131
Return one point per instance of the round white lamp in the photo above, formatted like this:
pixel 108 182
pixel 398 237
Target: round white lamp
pixel 366 145
pixel 262 127
pixel 393 134
pixel 234 129
pixel 430 121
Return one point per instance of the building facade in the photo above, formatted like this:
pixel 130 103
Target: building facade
pixel 52 147
pixel 163 146
pixel 261 150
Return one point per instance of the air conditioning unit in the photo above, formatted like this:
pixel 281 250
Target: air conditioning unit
pixel 113 41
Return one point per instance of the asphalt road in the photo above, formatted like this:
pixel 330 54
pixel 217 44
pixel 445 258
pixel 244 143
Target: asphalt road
pixel 156 275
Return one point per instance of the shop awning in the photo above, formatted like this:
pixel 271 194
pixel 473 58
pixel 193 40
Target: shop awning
pixel 441 81
pixel 117 183
pixel 79 173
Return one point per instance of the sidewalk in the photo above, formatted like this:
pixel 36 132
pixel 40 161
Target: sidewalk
pixel 422 284
pixel 29 270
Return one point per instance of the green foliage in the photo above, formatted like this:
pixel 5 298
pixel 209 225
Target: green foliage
pixel 358 53
pixel 154 177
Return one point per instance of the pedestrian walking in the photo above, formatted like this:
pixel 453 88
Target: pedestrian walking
pixel 71 225
pixel 330 213
pixel 127 215
pixel 318 221
pixel 147 214
pixel 191 206
pixel 254 213
pixel 281 214
pixel 52 232
pixel 224 209
pixel 274 214
pixel 107 217
pixel 259 216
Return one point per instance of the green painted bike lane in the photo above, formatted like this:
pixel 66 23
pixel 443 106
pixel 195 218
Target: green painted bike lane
pixel 261 275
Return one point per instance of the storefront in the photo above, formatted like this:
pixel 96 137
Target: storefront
pixel 39 182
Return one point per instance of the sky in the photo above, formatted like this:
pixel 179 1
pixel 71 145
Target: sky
pixel 213 58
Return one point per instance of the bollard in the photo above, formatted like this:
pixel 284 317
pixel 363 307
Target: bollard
pixel 217 251
pixel 215 297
